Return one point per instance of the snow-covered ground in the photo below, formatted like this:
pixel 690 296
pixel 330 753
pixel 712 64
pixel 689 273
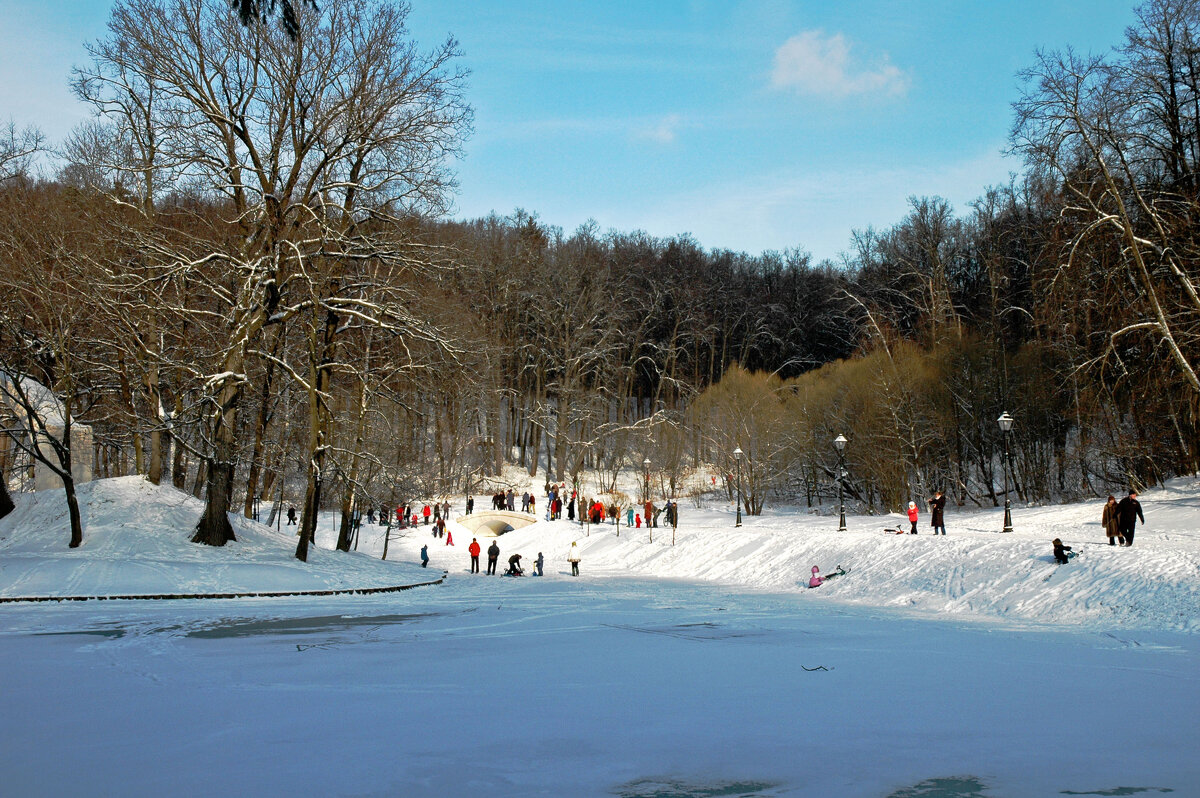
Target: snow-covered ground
pixel 968 665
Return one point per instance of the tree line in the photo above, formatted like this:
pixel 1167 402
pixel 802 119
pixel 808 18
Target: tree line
pixel 242 279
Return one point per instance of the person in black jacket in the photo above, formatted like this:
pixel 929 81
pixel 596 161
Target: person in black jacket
pixel 514 565
pixel 1060 552
pixel 937 509
pixel 1129 510
pixel 493 555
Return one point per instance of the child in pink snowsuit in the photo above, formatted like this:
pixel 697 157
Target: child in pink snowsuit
pixel 817 580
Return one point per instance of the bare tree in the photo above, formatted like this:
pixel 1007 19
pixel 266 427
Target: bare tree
pixel 316 144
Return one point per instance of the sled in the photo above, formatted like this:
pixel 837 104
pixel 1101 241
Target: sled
pixel 888 530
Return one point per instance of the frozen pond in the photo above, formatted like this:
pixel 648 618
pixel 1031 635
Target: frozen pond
pixel 517 687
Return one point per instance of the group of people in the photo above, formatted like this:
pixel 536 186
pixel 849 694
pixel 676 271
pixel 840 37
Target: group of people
pixel 514 562
pixel 1120 519
pixel 937 514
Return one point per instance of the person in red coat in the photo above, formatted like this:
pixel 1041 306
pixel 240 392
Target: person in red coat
pixel 912 516
pixel 474 551
pixel 426 513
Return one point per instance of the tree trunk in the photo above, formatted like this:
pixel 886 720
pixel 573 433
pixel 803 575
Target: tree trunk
pixel 73 510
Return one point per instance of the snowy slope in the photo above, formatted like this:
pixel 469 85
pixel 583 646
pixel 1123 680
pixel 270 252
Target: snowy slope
pixel 136 542
pixel 973 571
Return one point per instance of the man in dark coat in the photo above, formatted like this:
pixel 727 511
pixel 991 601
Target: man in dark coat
pixel 937 508
pixel 493 555
pixel 1129 510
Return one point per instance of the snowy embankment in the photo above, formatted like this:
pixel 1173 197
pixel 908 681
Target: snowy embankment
pixel 136 542
pixel 975 571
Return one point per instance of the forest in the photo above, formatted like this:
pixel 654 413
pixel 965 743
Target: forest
pixel 241 277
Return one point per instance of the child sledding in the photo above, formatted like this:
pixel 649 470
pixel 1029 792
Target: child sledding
pixel 817 579
pixel 1062 554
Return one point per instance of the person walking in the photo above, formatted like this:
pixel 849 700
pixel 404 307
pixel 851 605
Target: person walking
pixel 1129 510
pixel 913 513
pixel 1110 520
pixel 449 535
pixel 291 516
pixel 470 505
pixel 425 555
pixel 937 509
pixel 473 549
pixel 525 502
pixel 573 558
pixel 629 516
pixel 493 555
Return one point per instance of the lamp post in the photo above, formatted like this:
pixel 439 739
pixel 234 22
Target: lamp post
pixel 1006 421
pixel 737 455
pixel 646 492
pixel 840 444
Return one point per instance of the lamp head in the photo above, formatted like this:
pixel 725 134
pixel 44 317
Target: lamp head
pixel 1005 421
pixel 840 442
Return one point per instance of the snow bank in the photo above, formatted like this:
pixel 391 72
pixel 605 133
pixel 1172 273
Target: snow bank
pixel 975 571
pixel 136 541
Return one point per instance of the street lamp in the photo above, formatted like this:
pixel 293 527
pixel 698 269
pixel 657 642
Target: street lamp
pixel 646 492
pixel 840 444
pixel 737 455
pixel 1006 421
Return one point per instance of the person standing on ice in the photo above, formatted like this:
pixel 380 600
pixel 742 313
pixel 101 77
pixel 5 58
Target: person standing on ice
pixel 1110 522
pixel 1128 512
pixel 573 558
pixel 913 513
pixel 937 509
pixel 473 549
pixel 493 555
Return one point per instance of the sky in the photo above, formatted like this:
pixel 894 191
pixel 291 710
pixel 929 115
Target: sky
pixel 750 125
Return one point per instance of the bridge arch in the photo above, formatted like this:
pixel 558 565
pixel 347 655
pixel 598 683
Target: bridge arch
pixel 495 522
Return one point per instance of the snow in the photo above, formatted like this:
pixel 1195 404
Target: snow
pixel 968 665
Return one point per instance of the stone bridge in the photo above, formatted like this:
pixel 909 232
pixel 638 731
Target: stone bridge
pixel 495 522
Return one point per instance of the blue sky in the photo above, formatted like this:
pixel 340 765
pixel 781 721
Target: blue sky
pixel 753 125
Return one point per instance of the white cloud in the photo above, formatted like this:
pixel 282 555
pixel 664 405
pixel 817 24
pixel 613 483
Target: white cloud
pixel 816 64
pixel 665 131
